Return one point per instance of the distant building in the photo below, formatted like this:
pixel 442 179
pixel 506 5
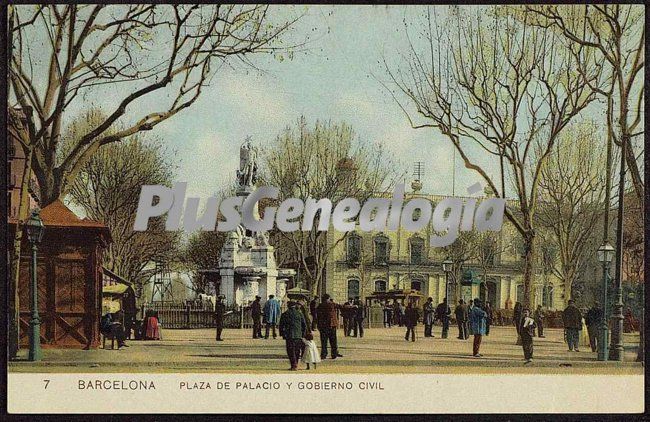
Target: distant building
pixel 368 262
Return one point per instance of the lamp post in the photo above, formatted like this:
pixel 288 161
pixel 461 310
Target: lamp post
pixel 446 267
pixel 605 254
pixel 35 229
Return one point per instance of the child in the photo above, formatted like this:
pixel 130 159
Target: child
pixel 310 355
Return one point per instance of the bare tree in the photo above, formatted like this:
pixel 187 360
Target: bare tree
pixel 571 188
pixel 139 49
pixel 108 187
pixel 615 35
pixel 323 161
pixel 460 253
pixel 493 83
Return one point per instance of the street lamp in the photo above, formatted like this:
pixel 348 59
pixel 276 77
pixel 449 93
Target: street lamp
pixel 605 255
pixel 35 229
pixel 446 267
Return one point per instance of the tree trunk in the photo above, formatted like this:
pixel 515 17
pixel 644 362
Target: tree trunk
pixel 529 269
pixel 14 305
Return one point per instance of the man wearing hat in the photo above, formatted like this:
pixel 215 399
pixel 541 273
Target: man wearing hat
pixel 256 314
pixel 292 328
pixel 219 312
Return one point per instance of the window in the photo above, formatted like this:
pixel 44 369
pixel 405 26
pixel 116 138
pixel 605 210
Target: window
pixel 381 250
pixel 520 293
pixel 380 285
pixel 547 296
pixel 417 250
pixel 354 249
pixel 416 285
pixel 353 288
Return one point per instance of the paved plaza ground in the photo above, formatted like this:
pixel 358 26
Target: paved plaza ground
pixel 381 350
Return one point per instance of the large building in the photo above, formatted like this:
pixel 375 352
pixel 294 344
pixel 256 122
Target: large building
pixel 362 263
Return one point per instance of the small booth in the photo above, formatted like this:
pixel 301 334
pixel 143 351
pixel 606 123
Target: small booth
pixel 469 286
pixel 69 279
pixel 118 294
pixel 297 293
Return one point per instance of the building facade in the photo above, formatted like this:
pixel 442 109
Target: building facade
pixel 362 263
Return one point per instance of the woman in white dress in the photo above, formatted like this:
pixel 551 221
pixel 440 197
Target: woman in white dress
pixel 310 355
pixel 584 335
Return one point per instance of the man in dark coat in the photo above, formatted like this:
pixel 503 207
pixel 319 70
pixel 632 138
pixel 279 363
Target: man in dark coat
pixel 388 315
pixel 594 320
pixel 358 317
pixel 461 319
pixel 572 319
pixel 256 314
pixel 219 312
pixel 411 316
pixel 327 323
pixel 526 330
pixel 347 313
pixel 429 317
pixel 312 311
pixel 442 314
pixel 488 319
pixel 292 329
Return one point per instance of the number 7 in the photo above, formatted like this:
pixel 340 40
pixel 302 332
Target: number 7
pixel 47 382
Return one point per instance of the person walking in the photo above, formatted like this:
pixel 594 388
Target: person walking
pixel 347 312
pixel 527 331
pixel 219 313
pixel 271 315
pixel 470 306
pixel 411 317
pixel 292 329
pixel 461 319
pixel 429 317
pixel 327 323
pixel 398 313
pixel 594 320
pixel 477 320
pixel 488 320
pixel 388 315
pixel 442 314
pixel 312 311
pixel 256 315
pixel 572 319
pixel 539 316
pixel 357 317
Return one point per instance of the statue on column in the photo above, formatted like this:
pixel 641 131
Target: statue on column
pixel 247 173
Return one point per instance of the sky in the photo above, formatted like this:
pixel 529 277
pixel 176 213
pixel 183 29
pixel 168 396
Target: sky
pixel 336 79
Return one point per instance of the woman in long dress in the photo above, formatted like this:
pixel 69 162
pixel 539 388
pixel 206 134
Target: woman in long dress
pixel 584 335
pixel 151 327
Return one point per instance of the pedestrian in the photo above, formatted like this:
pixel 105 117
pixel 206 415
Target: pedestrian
pixel 219 313
pixel 327 324
pixel 398 313
pixel 477 320
pixel 539 316
pixel 470 306
pixel 310 355
pixel 516 318
pixel 461 319
pixel 271 315
pixel 488 320
pixel 292 329
pixel 572 319
pixel 388 315
pixel 429 317
pixel 312 310
pixel 527 330
pixel 442 313
pixel 347 314
pixel 256 315
pixel 302 307
pixel 594 320
pixel 357 317
pixel 411 316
